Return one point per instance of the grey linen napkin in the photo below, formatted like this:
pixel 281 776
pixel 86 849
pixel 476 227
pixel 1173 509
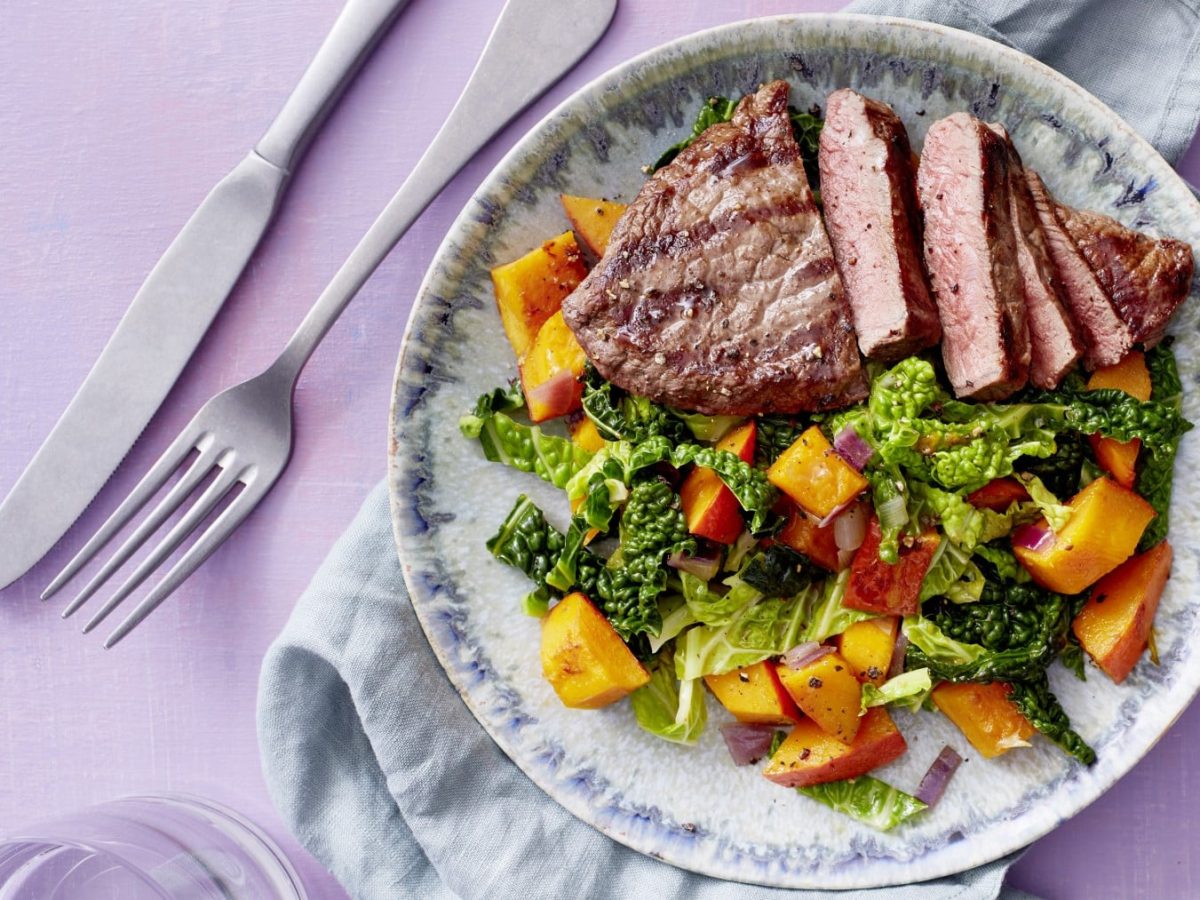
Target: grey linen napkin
pixel 373 759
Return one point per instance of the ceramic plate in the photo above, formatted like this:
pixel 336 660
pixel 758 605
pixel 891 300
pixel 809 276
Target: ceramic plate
pixel 692 807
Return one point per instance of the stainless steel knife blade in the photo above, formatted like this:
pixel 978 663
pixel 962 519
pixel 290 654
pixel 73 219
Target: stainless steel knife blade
pixel 137 368
pixel 175 306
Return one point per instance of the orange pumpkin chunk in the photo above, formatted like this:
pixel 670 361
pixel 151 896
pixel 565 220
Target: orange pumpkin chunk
pixel 1114 625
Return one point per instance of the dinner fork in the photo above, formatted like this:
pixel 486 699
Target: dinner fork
pixel 242 437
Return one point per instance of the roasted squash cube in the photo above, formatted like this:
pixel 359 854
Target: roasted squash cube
pixel 1114 625
pixel 584 659
pixel 998 495
pixel 985 715
pixel 867 647
pixel 585 434
pixel 1119 458
pixel 1106 523
pixel 803 533
pixel 887 588
pixel 1129 375
pixel 550 371
pixel 811 756
pixel 531 289
pixel 813 474
pixel 710 508
pixel 828 692
pixel 754 694
pixel 592 219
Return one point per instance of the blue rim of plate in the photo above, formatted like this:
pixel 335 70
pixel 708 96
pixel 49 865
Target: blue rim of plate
pixel 644 828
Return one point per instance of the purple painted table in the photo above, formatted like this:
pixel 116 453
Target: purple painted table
pixel 115 119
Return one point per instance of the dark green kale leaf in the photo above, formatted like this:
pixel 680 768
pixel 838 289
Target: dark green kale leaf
pixel 806 127
pixel 1038 704
pixel 526 541
pixel 1060 471
pixel 620 416
pixel 1013 632
pixel 500 400
pixel 773 435
pixel 1157 469
pixel 779 571
pixel 652 528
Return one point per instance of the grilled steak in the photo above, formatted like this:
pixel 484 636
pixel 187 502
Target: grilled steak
pixel 718 290
pixel 1145 278
pixel 971 254
pixel 1106 338
pixel 869 193
pixel 1055 343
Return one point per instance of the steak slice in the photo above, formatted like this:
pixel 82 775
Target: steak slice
pixel 718 290
pixel 868 188
pixel 971 254
pixel 1145 278
pixel 1106 338
pixel 1055 341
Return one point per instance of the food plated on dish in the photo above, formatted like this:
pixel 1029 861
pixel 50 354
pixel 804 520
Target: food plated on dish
pixel 816 538
pixel 690 804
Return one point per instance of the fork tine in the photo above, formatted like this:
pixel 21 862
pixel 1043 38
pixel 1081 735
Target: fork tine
pixel 177 535
pixel 216 533
pixel 188 439
pixel 171 502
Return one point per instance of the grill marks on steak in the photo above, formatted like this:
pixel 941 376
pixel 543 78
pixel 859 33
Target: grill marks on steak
pixel 1145 278
pixel 869 192
pixel 718 291
pixel 971 254
pixel 1055 343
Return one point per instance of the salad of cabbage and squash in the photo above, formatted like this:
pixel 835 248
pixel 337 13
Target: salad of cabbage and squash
pixel 805 575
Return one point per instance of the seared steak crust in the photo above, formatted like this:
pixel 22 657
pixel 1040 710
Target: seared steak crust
pixel 1145 278
pixel 718 290
pixel 869 191
pixel 971 254
pixel 1055 341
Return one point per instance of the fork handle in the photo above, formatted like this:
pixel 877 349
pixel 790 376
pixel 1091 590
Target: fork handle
pixel 359 27
pixel 533 44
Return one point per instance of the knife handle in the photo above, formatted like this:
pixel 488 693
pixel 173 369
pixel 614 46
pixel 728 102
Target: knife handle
pixel 359 27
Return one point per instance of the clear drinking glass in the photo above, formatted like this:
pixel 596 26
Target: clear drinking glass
pixel 168 847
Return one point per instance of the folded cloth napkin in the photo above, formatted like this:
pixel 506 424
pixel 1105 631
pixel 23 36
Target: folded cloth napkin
pixel 373 759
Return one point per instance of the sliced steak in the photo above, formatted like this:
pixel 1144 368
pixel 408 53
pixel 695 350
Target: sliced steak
pixel 1145 278
pixel 971 254
pixel 1055 342
pixel 869 192
pixel 718 290
pixel 1106 336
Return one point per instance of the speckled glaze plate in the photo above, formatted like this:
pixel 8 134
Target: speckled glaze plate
pixel 691 806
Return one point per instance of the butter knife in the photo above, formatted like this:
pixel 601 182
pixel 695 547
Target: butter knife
pixel 175 306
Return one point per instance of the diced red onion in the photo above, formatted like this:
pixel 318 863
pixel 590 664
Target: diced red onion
pixel 896 666
pixel 850 528
pixel 804 654
pixel 703 565
pixel 933 785
pixel 852 448
pixel 844 558
pixel 747 743
pixel 1032 537
pixel 555 394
